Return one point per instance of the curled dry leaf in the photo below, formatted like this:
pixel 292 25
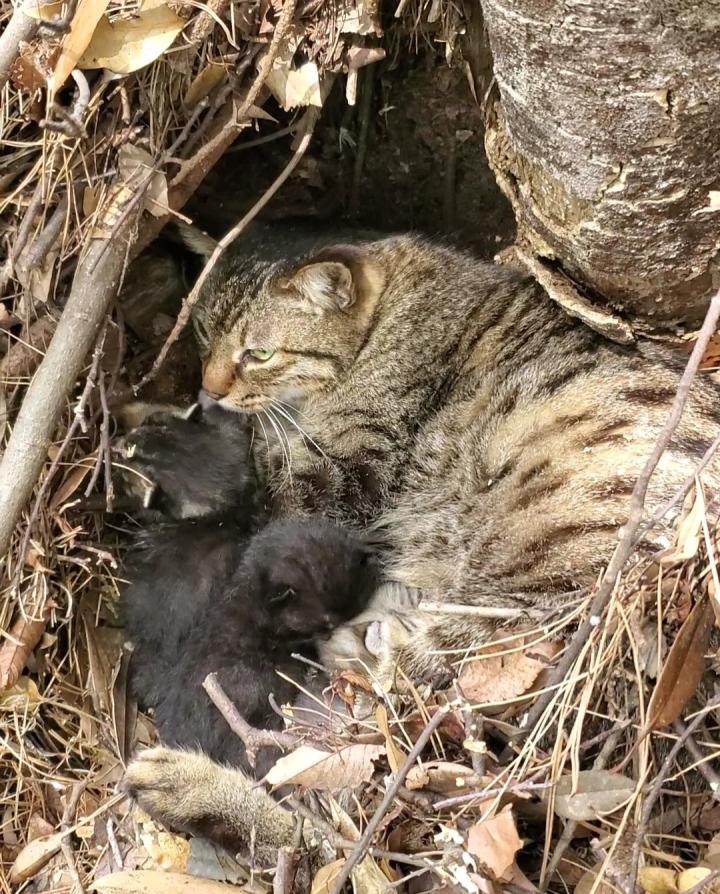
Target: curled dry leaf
pixel 129 44
pixel 689 533
pixel 395 756
pixel 154 881
pixel 36 854
pixel 294 87
pixel 507 670
pixel 324 770
pixel 21 697
pixel 82 28
pixel 689 878
pixel 24 635
pixel 591 793
pixel 588 883
pixel 204 82
pixel 494 843
pixel 324 880
pixel 683 667
pixel 444 777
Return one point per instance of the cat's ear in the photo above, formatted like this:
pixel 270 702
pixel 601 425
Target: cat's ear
pixel 327 284
pixel 339 278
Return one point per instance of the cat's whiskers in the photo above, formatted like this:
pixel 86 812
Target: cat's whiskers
pixel 301 430
pixel 282 438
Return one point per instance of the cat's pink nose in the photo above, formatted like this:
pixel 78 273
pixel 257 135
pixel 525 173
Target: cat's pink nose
pixel 218 379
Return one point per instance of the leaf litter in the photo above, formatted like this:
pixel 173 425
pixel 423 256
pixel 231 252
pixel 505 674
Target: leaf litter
pixel 481 812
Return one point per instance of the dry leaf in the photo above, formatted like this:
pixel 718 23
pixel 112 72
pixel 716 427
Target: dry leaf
pixel 594 792
pixel 444 777
pixel 691 877
pixel 21 697
pixel 396 757
pixel 294 87
pixel 34 856
pixel 129 44
pixel 23 636
pixel 325 877
pixel 154 881
pixel 496 677
pixel 82 29
pixel 494 843
pixel 683 668
pixel 70 484
pixel 326 771
pixel 656 880
pixel 689 532
pixel 204 82
pixel 134 165
pixel 34 64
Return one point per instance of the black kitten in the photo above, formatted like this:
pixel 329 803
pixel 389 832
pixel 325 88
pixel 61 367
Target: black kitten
pixel 206 595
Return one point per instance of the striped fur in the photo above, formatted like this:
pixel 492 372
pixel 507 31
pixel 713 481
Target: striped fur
pixel 491 440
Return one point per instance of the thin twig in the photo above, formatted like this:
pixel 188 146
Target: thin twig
pixel 228 238
pixel 253 739
pixel 700 759
pixel 363 844
pixel 365 111
pixel 66 843
pixel 628 540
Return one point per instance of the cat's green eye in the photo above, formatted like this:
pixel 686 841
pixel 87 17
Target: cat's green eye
pixel 261 354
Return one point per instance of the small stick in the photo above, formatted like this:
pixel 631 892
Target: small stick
pixel 37 252
pixel 627 542
pixel 363 844
pixel 701 762
pixel 253 739
pixel 477 611
pixel 492 793
pixel 65 842
pixel 365 110
pixel 228 238
pixel 284 871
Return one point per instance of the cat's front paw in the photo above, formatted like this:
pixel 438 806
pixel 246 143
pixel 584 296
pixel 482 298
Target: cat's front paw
pixel 172 785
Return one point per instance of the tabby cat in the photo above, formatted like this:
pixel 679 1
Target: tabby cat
pixel 492 440
pixel 489 439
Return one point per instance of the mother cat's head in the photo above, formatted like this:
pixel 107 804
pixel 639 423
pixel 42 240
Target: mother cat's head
pixel 279 330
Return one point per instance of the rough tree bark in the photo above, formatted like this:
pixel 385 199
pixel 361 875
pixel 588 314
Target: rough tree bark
pixel 605 136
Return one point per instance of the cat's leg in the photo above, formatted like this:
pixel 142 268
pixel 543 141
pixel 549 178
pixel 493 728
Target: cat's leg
pixel 187 791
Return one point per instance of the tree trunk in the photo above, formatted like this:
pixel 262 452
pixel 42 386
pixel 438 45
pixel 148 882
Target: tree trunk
pixel 606 139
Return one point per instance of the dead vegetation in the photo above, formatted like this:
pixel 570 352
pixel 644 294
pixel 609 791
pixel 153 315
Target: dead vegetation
pixel 578 752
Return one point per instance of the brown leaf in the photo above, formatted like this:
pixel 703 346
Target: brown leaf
pixel 33 65
pixel 25 355
pixel 591 792
pixel 155 881
pixel 683 668
pixel 205 81
pixel 494 842
pixel 326 771
pixel 72 481
pixel 444 777
pixel 87 15
pixel 689 878
pixel 24 635
pixel 129 44
pixel 396 757
pixel 324 880
pixel 34 856
pixel 500 674
pixel 588 882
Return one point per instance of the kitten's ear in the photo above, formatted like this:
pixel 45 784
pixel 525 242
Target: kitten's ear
pixel 338 278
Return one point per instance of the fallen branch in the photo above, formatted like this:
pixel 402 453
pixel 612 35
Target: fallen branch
pixel 192 298
pixel 20 28
pixel 95 284
pixel 629 539
pixel 253 739
pixel 285 871
pixel 363 844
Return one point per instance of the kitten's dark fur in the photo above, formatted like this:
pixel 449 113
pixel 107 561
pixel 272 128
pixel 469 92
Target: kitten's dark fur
pixel 206 595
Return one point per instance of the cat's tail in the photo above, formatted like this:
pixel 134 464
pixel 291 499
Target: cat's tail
pixel 187 791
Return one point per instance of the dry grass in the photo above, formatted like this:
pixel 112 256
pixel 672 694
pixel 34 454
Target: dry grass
pixel 65 715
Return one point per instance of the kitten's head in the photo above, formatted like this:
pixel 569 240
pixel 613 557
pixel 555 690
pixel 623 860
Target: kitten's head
pixel 279 330
pixel 310 576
